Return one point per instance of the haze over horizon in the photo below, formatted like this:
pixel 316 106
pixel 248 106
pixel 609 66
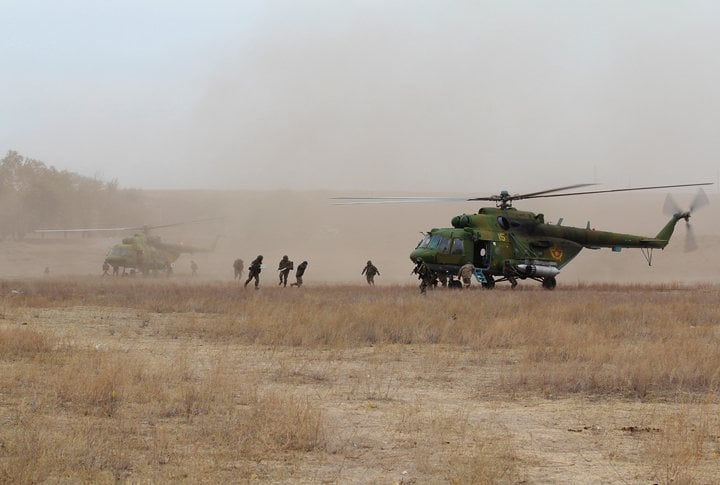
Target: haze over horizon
pixel 465 97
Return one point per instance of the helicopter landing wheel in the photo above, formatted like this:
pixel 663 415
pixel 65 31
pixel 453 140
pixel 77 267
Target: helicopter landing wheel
pixel 490 283
pixel 549 283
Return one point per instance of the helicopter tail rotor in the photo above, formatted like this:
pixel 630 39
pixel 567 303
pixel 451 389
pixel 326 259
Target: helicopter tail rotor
pixel 700 200
pixel 672 208
pixel 690 241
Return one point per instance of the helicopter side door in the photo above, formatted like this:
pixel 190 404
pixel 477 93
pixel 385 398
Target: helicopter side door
pixel 481 254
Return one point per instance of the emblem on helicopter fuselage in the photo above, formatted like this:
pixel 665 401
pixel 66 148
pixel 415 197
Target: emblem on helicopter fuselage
pixel 556 253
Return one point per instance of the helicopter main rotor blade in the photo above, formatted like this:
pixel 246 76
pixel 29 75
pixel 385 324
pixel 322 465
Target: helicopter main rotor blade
pixel 536 194
pixel 417 200
pixel 196 221
pixel 130 228
pixel 700 200
pixel 530 195
pixel 621 190
pixel 395 200
pixel 96 229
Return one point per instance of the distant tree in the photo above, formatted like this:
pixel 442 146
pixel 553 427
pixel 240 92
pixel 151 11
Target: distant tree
pixel 36 196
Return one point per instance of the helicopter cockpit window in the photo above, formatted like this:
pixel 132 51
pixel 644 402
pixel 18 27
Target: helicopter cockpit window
pixel 458 247
pixel 434 241
pixel 425 241
pixel 120 252
pixel 444 245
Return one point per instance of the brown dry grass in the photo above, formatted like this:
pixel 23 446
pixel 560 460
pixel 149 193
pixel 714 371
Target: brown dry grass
pixel 150 380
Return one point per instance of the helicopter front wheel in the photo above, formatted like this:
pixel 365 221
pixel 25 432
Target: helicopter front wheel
pixel 549 283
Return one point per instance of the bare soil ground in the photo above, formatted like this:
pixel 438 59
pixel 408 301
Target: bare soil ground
pixel 104 380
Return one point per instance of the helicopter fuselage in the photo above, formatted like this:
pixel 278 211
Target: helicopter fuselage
pixel 507 243
pixel 148 253
pixel 141 252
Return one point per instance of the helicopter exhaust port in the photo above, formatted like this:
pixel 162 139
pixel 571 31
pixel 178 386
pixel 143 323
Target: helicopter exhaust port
pixel 537 270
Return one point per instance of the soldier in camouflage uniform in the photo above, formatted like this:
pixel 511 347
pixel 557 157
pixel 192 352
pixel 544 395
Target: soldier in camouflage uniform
pixel 238 266
pixel 370 271
pixel 254 271
pixel 299 274
pixel 425 276
pixel 466 272
pixel 284 268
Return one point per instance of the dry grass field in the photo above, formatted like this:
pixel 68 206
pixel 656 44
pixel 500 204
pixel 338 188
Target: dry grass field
pixel 144 380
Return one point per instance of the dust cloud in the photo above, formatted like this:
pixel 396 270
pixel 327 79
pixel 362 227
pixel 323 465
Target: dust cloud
pixel 392 95
pixel 338 240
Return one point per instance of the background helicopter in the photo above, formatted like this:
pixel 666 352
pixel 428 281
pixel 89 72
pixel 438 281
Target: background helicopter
pixel 142 251
pixel 505 244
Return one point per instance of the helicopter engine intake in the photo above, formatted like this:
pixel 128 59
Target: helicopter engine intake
pixel 542 271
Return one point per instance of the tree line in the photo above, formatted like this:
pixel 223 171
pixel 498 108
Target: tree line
pixel 34 195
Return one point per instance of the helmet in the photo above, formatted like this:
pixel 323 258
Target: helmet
pixel 369 262
pixel 285 257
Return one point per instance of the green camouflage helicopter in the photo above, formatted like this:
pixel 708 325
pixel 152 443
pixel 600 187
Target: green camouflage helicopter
pixel 506 244
pixel 142 252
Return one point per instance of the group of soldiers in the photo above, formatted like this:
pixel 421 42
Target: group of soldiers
pixel 284 268
pixel 429 278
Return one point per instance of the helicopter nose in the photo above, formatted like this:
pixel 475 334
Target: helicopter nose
pixel 427 255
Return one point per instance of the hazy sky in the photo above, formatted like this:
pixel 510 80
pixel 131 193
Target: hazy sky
pixel 408 95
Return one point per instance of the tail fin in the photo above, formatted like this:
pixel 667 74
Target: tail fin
pixel 667 231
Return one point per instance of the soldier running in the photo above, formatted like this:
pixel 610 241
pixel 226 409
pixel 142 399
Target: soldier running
pixel 254 272
pixel 238 266
pixel 193 267
pixel 425 276
pixel 466 272
pixel 284 268
pixel 370 271
pixel 106 269
pixel 299 274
